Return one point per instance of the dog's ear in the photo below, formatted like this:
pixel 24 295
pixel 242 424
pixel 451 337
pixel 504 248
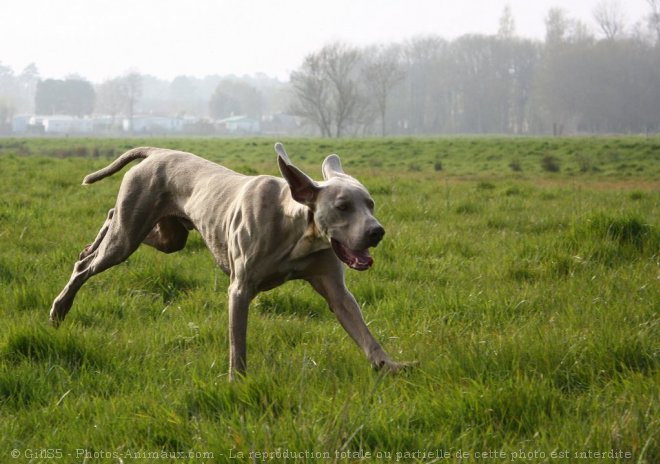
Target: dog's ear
pixel 281 153
pixel 303 189
pixel 331 167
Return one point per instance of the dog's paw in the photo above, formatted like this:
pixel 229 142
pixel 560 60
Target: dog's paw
pixel 54 321
pixel 395 367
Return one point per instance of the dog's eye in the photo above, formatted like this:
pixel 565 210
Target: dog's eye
pixel 343 206
pixel 370 204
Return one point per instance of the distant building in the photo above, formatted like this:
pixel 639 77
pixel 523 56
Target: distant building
pixel 198 126
pixel 61 124
pixel 104 124
pixel 239 125
pixel 279 123
pixel 153 124
pixel 19 124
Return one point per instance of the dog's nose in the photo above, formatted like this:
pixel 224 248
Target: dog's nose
pixel 376 235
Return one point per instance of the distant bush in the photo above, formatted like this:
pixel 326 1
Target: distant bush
pixel 628 230
pixel 612 155
pixel 468 208
pixel 584 163
pixel 550 163
pixel 513 191
pixel 75 151
pixel 485 185
pixel 437 166
pixel 18 147
pixel 515 165
pixel 107 152
pixel 610 239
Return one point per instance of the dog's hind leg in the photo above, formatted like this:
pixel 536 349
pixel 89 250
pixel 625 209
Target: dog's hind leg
pixel 116 241
pixel 63 302
pixel 89 249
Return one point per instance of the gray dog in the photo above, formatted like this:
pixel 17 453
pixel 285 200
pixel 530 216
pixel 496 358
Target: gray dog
pixel 262 231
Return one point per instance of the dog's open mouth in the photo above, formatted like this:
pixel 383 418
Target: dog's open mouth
pixel 360 260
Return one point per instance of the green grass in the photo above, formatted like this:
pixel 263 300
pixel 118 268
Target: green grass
pixel 529 298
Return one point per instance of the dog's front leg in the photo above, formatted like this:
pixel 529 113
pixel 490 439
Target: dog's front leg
pixel 239 303
pixel 347 311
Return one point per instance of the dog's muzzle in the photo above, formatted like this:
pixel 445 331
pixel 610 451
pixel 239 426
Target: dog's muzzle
pixel 375 235
pixel 360 260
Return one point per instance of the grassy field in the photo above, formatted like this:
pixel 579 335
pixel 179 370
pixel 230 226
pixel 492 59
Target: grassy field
pixel 522 274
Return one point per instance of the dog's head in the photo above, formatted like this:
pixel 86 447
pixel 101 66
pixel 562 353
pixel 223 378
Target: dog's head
pixel 343 209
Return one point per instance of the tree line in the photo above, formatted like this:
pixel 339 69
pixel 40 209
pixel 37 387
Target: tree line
pixel 571 82
pixel 575 80
pixel 213 97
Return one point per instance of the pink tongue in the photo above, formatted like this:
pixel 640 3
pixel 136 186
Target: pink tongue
pixel 360 260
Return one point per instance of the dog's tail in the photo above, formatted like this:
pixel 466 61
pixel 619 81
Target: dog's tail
pixel 118 164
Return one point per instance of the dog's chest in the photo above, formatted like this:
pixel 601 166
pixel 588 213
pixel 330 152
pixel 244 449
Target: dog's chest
pixel 222 258
pixel 286 270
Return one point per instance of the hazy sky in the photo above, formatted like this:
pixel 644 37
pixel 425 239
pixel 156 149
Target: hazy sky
pixel 99 39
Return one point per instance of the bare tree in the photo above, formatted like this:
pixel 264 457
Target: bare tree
pixel 557 25
pixel 71 96
pixel 234 97
pixel 326 89
pixel 133 88
pixel 654 18
pixel 6 113
pixel 383 72
pixel 111 97
pixel 507 26
pixel 311 91
pixel 610 18
pixel 27 82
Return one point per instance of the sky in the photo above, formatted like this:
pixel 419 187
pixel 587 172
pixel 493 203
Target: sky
pixel 101 39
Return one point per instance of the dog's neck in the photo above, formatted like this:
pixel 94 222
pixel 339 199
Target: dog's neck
pixel 311 238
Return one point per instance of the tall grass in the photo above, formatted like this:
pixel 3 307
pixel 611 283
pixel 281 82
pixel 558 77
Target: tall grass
pixel 530 300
